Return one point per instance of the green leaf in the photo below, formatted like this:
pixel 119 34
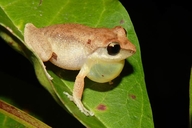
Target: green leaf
pixel 122 104
pixel 13 117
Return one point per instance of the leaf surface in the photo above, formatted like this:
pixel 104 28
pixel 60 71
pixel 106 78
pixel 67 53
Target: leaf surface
pixel 11 116
pixel 122 104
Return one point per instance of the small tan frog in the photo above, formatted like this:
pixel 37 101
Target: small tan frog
pixel 98 53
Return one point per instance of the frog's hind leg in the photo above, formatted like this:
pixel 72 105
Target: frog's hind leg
pixel 35 40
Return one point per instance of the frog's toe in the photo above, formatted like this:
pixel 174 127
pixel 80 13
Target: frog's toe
pixel 79 104
pixel 69 96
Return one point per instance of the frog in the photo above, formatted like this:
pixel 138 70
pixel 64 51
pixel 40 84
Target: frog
pixel 98 53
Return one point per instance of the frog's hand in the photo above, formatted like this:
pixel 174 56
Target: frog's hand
pixel 37 42
pixel 79 104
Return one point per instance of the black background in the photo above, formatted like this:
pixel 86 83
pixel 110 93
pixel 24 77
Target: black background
pixel 164 32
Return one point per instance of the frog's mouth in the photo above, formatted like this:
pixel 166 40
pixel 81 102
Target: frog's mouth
pixel 104 71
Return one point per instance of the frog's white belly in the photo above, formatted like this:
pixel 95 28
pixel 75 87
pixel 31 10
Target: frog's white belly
pixel 72 59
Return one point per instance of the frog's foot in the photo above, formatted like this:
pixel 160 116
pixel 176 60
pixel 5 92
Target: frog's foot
pixel 79 104
pixel 49 76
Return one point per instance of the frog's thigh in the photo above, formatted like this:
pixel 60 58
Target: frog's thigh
pixel 37 42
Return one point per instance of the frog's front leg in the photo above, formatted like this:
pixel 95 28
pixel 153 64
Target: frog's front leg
pixel 78 91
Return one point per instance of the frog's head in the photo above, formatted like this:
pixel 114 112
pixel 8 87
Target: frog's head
pixel 116 46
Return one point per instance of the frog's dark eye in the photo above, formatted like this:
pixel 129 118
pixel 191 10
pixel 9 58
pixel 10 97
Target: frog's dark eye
pixel 113 48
